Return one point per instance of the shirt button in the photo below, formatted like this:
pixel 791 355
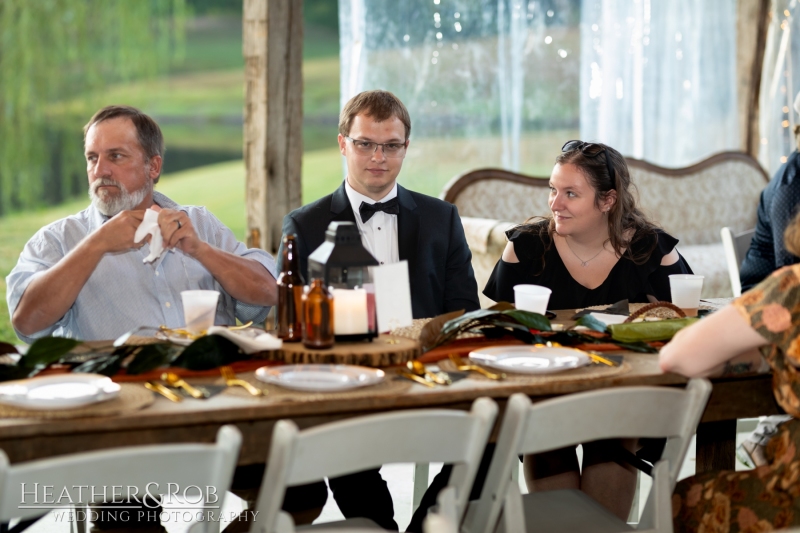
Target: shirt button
pixel 168 304
pixel 381 262
pixel 156 272
pixel 379 228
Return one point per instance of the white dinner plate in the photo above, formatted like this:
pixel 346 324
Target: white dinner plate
pixel 530 359
pixel 61 391
pixel 320 377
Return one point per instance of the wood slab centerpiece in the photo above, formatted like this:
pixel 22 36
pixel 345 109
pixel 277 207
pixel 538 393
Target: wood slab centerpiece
pixel 385 350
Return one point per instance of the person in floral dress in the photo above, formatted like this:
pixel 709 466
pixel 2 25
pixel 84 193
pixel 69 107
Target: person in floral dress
pixel 759 331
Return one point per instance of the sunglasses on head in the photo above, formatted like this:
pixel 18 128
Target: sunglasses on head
pixel 591 150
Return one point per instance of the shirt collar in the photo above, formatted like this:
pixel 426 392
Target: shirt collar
pixel 356 197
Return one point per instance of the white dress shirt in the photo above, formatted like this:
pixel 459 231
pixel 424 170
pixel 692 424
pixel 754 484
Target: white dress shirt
pixel 379 233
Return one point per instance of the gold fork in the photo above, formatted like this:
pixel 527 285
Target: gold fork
pixel 194 336
pixel 463 365
pixel 231 381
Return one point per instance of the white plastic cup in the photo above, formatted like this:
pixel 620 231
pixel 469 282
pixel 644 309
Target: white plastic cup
pixel 199 309
pixel 686 289
pixel 532 298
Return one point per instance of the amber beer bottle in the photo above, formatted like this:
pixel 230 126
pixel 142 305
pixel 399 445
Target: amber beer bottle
pixel 317 316
pixel 290 293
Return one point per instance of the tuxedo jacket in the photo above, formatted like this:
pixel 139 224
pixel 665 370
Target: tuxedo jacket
pixel 429 236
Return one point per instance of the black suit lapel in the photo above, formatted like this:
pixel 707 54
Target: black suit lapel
pixel 407 229
pixel 341 210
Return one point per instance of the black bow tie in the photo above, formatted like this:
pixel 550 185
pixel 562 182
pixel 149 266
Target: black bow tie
pixel 367 210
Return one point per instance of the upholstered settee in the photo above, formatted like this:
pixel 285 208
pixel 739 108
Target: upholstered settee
pixel 691 203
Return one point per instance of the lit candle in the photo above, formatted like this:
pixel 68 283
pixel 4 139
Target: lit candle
pixel 350 312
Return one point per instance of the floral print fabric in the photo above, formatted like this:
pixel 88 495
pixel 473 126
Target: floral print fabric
pixel 767 498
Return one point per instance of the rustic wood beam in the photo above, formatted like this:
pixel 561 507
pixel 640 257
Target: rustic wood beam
pixel 273 116
pixel 752 21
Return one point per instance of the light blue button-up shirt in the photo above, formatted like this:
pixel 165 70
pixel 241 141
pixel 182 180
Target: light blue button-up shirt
pixel 123 292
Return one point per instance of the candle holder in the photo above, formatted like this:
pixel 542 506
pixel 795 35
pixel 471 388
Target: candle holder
pixel 343 263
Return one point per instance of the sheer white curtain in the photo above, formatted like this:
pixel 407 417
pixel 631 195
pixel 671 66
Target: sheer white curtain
pixel 658 79
pixel 506 82
pixel 780 82
pixel 487 82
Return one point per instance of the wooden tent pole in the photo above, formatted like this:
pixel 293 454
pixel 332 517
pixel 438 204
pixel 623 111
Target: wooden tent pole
pixel 752 21
pixel 273 116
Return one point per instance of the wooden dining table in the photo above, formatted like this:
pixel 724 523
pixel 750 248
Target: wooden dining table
pixel 25 439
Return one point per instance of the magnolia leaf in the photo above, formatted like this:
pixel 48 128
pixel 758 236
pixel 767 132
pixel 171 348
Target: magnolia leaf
pixel 521 332
pixel 210 351
pixel 502 306
pixel 431 331
pixel 107 365
pixel 641 347
pixel 47 350
pixel 660 330
pixel 7 348
pixel 9 372
pixel 460 323
pixel 588 321
pixel 529 319
pixel 150 357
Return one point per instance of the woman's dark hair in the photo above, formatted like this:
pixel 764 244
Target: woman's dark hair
pixel 624 215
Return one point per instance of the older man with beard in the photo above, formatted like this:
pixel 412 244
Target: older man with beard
pixel 84 276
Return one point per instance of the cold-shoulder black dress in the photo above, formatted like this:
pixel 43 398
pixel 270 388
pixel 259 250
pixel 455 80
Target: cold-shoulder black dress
pixel 627 280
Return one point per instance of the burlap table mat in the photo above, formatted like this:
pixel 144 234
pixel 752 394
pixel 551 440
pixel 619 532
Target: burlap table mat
pixel 589 372
pixel 392 385
pixel 131 398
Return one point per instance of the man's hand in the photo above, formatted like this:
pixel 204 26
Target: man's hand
pixel 53 291
pixel 178 231
pixel 116 235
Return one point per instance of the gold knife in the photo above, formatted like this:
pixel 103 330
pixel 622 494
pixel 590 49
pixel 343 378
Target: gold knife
pixel 597 358
pixel 158 388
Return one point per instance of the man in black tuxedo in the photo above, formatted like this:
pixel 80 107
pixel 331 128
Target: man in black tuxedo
pixel 395 224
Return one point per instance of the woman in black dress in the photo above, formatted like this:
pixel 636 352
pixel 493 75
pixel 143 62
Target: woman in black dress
pixel 596 248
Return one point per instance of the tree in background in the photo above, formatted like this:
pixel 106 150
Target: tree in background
pixel 55 54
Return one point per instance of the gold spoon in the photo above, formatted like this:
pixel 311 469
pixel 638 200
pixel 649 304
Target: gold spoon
pixel 414 377
pixel 174 380
pixel 418 368
pixel 231 380
pixel 463 365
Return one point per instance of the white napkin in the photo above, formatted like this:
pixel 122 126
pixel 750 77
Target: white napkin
pixel 149 226
pixel 605 318
pixel 249 340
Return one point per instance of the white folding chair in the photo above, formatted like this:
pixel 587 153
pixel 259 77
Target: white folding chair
pixel 736 246
pixel 425 435
pixel 157 470
pixel 444 518
pixel 622 412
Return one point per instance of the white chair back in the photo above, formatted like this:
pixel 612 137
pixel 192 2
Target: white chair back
pixel 735 246
pixel 429 435
pixel 622 412
pixel 157 470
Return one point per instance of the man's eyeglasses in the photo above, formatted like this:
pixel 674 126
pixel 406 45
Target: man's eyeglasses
pixel 369 147
pixel 591 150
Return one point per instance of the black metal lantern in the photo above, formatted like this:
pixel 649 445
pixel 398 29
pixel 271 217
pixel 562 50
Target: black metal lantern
pixel 343 263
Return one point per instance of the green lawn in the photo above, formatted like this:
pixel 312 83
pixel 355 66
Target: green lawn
pixel 219 187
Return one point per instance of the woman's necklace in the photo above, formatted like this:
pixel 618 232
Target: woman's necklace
pixel 583 263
